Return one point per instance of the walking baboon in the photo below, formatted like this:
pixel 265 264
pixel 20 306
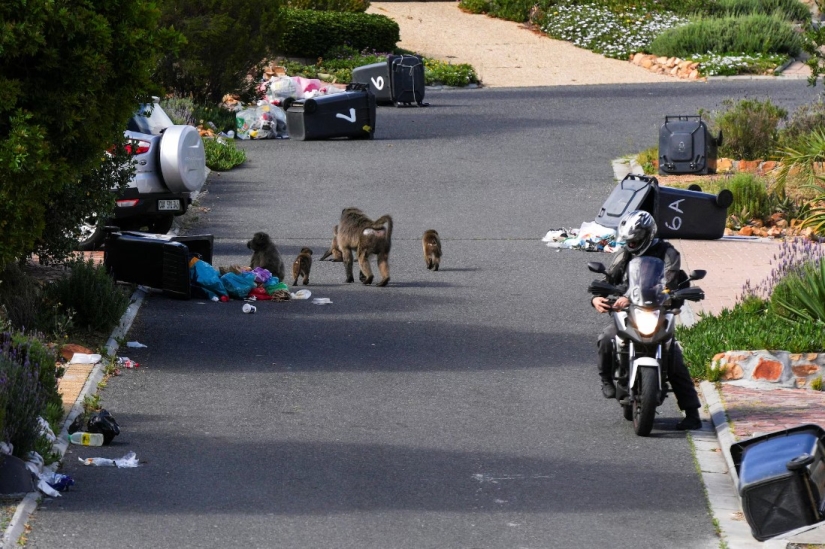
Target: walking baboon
pixel 301 266
pixel 432 249
pixel 357 232
pixel 265 255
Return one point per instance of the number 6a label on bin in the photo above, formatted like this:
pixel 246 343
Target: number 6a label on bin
pixel 350 118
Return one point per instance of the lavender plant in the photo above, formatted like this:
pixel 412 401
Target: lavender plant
pixel 793 255
pixel 24 399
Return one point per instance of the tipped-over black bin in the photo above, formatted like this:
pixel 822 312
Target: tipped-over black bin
pixel 679 213
pixel 156 261
pixel 377 77
pixel 686 146
pixel 781 479
pixel 397 81
pixel 350 113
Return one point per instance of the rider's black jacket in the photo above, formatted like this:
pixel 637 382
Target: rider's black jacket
pixel 617 272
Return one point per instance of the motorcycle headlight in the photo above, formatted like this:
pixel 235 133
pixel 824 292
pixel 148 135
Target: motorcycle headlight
pixel 646 321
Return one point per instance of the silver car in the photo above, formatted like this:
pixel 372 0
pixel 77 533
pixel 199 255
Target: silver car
pixel 170 166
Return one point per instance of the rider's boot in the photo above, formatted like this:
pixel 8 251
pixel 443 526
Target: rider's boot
pixel 691 422
pixel 608 388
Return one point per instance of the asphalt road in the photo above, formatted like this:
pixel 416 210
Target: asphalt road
pixel 458 408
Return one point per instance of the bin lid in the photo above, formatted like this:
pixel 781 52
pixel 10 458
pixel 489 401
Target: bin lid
pixel 768 459
pixel 632 193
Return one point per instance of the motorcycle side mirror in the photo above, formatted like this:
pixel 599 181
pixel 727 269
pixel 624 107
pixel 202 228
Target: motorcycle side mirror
pixel 697 274
pixel 690 294
pixel 596 267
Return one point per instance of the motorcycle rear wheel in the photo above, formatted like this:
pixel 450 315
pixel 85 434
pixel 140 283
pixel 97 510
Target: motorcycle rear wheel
pixel 644 405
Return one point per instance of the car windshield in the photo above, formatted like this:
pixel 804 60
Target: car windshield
pixel 150 119
pixel 646 281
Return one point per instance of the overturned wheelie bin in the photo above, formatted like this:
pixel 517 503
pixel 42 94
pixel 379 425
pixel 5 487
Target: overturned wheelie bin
pixel 680 213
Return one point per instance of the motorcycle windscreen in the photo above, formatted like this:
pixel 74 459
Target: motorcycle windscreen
pixel 646 281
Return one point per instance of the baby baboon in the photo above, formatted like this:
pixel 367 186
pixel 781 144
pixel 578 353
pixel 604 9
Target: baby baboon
pixel 432 249
pixel 333 248
pixel 265 255
pixel 301 266
pixel 357 232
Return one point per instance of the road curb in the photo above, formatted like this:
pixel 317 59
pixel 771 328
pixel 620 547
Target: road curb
pixel 28 505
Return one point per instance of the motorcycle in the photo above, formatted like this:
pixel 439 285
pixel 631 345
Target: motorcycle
pixel 645 334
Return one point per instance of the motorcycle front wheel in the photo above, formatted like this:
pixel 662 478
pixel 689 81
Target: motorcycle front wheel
pixel 646 390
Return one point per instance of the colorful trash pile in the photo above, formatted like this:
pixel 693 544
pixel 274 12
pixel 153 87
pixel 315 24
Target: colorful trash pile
pixel 590 237
pixel 235 282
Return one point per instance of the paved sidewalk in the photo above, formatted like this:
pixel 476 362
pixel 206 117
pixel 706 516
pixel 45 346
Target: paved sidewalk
pixel 741 412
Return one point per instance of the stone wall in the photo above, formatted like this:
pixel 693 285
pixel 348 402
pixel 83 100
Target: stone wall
pixel 781 368
pixel 673 66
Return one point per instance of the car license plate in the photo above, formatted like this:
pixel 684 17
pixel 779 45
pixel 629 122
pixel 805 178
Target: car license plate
pixel 168 205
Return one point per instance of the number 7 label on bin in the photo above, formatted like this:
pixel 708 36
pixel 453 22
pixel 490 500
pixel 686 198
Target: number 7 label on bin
pixel 350 118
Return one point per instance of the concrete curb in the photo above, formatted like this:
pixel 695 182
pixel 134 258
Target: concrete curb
pixel 28 505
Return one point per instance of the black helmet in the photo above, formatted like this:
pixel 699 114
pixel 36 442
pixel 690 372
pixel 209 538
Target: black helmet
pixel 637 230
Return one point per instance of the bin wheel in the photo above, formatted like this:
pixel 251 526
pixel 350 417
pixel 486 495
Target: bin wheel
pixel 694 187
pixel 92 235
pixel 724 199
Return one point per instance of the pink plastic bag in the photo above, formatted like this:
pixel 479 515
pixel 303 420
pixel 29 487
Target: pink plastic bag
pixel 306 85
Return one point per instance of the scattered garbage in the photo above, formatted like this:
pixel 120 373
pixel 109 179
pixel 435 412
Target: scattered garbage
pixel 321 301
pixel 84 358
pixel 247 308
pixel 590 237
pixel 301 294
pixel 57 481
pixel 45 429
pixel 129 460
pixel 126 362
pixel 100 423
pixel 135 345
pixel 86 439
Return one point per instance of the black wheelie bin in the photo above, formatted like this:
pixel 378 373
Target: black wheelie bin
pixel 781 479
pixel 350 113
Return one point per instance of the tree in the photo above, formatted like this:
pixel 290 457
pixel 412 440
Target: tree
pixel 71 74
pixel 225 40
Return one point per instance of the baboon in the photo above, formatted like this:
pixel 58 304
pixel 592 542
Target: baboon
pixel 333 251
pixel 265 255
pixel 432 249
pixel 357 232
pixel 301 266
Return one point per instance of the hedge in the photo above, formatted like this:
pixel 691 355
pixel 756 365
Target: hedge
pixel 308 33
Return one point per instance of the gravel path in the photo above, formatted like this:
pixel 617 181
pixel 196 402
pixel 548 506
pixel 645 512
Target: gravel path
pixel 504 53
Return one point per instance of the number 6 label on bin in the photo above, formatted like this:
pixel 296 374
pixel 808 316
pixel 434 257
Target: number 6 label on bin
pixel 350 118
pixel 378 82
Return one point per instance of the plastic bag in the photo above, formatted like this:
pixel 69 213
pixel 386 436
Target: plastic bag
pixel 205 279
pixel 273 285
pixel 306 86
pixel 102 422
pixel 281 87
pixel 129 460
pixel 238 285
pixel 261 275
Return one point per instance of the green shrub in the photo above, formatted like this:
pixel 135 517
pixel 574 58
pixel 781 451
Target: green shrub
pixel 355 6
pixel 20 297
pixel 749 325
pixel 476 6
pixel 806 119
pixel 647 159
pixel 90 294
pixel 217 118
pixel 815 216
pixel 222 154
pixel 448 74
pixel 800 296
pixel 750 34
pixel 28 387
pixel 802 161
pixel 310 33
pixel 750 196
pixel 52 135
pixel 749 128
pixel 180 109
pixel 792 10
pixel 225 40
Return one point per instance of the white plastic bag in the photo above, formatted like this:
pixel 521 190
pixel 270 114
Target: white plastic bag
pixel 83 358
pixel 129 460
pixel 281 87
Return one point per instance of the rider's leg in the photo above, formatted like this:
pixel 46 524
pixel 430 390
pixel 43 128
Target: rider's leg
pixel 605 363
pixel 685 391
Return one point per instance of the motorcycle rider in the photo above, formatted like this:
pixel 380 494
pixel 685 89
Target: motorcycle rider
pixel 637 235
